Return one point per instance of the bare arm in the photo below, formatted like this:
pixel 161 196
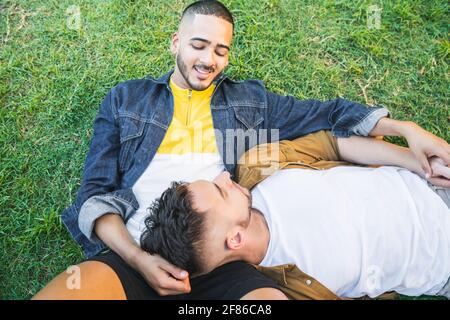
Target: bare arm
pixel 372 151
pixel 111 229
pixel 165 278
pixel 265 294
pixel 423 144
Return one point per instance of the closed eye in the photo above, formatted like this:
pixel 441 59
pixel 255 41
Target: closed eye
pixel 201 48
pixel 220 190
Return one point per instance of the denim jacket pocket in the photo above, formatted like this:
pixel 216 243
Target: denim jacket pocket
pixel 248 117
pixel 131 130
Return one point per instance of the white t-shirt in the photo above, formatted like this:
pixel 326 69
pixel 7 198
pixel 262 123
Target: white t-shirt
pixel 358 231
pixel 163 169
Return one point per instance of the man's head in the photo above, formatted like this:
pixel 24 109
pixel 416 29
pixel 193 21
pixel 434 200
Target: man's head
pixel 199 226
pixel 201 44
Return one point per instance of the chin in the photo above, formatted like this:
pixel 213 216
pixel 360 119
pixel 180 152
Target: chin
pixel 200 86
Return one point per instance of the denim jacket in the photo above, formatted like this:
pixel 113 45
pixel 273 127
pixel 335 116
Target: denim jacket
pixel 135 115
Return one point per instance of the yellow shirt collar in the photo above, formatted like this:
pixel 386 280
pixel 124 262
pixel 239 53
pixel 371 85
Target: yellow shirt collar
pixel 180 92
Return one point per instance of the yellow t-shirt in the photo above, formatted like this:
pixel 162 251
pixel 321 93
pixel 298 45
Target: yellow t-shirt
pixel 191 129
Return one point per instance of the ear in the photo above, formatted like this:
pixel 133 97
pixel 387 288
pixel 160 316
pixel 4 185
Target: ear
pixel 236 240
pixel 174 44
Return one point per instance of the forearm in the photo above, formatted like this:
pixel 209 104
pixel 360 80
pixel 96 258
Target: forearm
pixel 391 127
pixel 111 229
pixel 372 151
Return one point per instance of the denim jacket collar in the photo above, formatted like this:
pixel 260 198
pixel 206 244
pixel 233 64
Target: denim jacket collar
pixel 165 79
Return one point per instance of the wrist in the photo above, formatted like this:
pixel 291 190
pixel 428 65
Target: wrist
pixel 413 164
pixel 407 128
pixel 134 257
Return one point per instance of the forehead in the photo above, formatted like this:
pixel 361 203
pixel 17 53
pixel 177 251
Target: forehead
pixel 207 27
pixel 204 195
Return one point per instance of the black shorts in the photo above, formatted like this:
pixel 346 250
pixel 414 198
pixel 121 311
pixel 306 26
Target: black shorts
pixel 230 282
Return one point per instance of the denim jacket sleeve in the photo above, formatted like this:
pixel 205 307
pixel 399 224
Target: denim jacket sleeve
pixel 296 118
pixel 99 192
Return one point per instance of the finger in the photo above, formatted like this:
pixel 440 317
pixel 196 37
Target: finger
pixel 441 170
pixel 440 182
pixel 173 288
pixel 176 272
pixel 176 286
pixel 171 292
pixel 425 165
pixel 444 154
pixel 187 282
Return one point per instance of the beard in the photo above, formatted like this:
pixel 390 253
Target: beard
pixel 185 74
pixel 248 195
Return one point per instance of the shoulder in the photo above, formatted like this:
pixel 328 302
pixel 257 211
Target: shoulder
pixel 265 294
pixel 137 95
pixel 135 86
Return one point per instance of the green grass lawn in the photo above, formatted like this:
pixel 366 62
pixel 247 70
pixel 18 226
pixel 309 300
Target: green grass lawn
pixel 52 79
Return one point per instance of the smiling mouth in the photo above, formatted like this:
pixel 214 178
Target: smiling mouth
pixel 202 70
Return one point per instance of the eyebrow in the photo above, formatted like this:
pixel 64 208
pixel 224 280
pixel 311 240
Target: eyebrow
pixel 209 42
pixel 220 190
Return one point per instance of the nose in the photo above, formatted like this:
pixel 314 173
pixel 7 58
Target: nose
pixel 207 58
pixel 224 179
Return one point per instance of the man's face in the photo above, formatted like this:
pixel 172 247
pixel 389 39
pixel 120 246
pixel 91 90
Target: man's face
pixel 222 199
pixel 227 208
pixel 201 47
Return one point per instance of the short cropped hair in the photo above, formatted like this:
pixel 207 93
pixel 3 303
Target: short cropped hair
pixel 209 8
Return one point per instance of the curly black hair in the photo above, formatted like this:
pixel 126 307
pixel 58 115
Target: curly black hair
pixel 173 229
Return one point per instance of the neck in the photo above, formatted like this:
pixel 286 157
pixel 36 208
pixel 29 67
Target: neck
pixel 178 79
pixel 257 239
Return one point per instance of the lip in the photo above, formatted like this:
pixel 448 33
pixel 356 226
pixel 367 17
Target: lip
pixel 201 75
pixel 243 190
